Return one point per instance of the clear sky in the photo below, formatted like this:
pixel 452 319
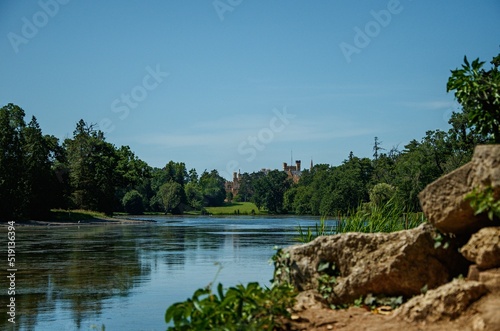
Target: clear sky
pixel 239 84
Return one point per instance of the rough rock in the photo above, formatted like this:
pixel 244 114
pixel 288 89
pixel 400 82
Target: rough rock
pixel 486 316
pixel 393 264
pixel 443 200
pixel 486 165
pixel 483 248
pixel 444 303
pixel 491 279
pixel 310 299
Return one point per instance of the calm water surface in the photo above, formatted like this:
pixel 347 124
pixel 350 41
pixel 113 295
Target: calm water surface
pixel 124 277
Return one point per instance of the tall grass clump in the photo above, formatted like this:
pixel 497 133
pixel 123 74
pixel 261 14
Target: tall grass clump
pixel 307 235
pixel 368 218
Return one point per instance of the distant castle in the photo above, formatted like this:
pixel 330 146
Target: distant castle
pixel 233 186
pixel 294 172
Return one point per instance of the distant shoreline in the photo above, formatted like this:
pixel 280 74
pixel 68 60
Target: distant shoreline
pixel 92 221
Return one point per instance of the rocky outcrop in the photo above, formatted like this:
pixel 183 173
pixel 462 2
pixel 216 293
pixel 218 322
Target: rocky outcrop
pixel 491 279
pixel 345 267
pixel 392 264
pixel 484 248
pixel 444 303
pixel 443 200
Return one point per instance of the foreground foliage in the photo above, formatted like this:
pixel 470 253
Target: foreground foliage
pixel 484 202
pixel 478 91
pixel 249 307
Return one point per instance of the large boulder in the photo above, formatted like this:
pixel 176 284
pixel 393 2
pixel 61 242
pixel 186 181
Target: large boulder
pixel 443 201
pixel 391 264
pixel 483 248
pixel 444 303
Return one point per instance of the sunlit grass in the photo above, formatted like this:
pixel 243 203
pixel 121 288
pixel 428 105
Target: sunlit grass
pixel 235 208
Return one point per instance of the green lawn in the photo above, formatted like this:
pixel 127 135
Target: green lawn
pixel 235 208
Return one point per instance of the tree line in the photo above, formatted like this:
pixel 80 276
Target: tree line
pixel 38 172
pixel 395 175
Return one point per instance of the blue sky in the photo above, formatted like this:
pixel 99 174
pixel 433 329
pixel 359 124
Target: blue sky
pixel 238 84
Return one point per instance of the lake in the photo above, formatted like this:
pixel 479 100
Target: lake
pixel 126 276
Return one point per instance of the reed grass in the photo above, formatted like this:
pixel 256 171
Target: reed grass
pixel 367 218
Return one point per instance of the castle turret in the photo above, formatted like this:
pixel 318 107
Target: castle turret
pixel 297 165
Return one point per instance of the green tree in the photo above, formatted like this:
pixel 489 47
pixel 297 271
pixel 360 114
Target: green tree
pixel 462 138
pixel 92 162
pixel 478 91
pixel 131 174
pixel 194 195
pixel 193 176
pixel 416 167
pixel 133 203
pixel 40 181
pixel 213 188
pixel 171 195
pixel 381 193
pixel 12 181
pixel 352 179
pixel 177 172
pixel 270 190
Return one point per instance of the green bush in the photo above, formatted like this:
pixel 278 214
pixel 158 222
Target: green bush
pixel 241 307
pixel 132 203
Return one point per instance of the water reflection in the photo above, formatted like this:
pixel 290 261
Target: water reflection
pixel 126 276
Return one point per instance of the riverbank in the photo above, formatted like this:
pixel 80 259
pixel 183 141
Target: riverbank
pixel 95 221
pixel 60 217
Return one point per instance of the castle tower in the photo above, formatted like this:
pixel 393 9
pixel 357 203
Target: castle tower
pixel 297 165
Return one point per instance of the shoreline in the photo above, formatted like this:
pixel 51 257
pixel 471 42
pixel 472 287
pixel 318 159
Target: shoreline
pixel 91 221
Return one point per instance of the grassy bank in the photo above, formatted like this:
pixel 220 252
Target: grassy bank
pixel 61 215
pixel 235 208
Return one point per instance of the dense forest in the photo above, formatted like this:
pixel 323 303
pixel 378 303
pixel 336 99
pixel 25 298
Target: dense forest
pixel 39 173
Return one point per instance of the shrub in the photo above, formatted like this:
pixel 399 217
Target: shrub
pixel 241 307
pixel 132 203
